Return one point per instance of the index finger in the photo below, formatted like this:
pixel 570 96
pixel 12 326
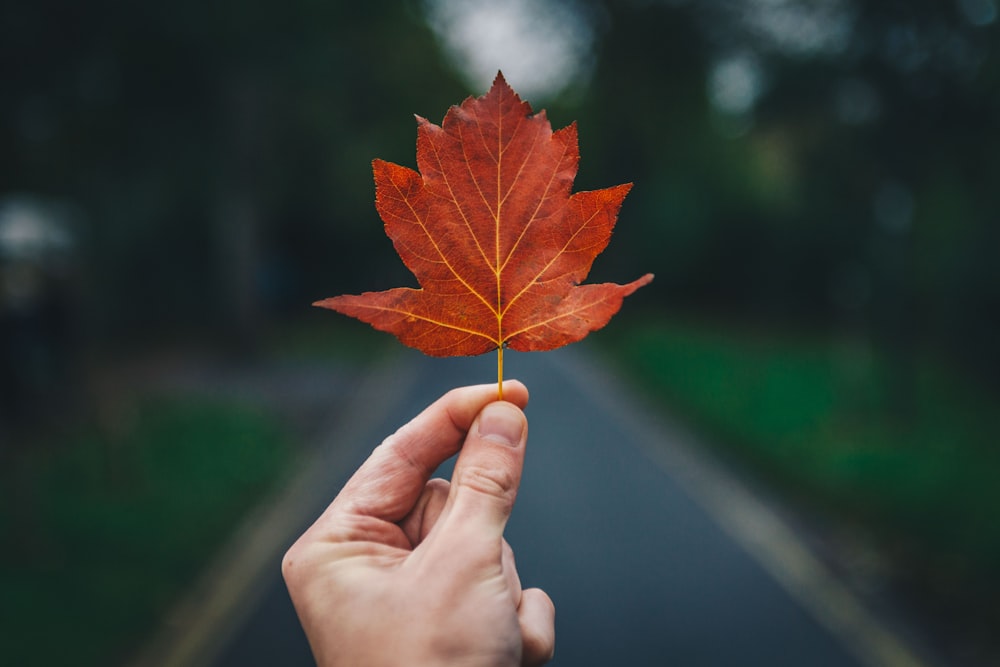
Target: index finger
pixel 389 483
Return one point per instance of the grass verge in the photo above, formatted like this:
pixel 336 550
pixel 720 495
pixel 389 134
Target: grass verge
pixel 106 527
pixel 907 450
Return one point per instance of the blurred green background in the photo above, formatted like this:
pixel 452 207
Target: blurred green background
pixel 817 189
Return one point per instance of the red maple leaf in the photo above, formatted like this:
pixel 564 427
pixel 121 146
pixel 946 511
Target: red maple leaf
pixel 493 235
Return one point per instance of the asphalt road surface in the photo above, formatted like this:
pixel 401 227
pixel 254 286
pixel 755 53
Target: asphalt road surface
pixel 611 522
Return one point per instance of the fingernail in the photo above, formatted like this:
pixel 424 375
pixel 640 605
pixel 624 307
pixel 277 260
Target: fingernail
pixel 502 423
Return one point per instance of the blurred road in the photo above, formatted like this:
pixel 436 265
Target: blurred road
pixel 652 556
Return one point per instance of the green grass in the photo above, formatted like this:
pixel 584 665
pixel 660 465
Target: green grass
pixel 913 457
pixel 104 530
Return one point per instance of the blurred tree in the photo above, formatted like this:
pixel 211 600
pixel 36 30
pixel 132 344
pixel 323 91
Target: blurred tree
pixel 830 162
pixel 219 150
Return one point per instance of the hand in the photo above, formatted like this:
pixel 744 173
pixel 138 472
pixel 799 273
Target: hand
pixel 400 570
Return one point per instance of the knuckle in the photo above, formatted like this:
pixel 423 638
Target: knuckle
pixel 289 571
pixel 494 482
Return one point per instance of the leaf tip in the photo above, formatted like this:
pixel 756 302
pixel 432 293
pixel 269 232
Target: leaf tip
pixel 642 282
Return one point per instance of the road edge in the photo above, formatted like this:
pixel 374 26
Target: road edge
pixel 196 627
pixel 749 521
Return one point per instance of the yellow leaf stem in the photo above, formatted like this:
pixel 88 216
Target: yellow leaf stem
pixel 500 373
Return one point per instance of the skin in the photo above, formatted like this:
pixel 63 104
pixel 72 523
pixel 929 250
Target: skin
pixel 404 569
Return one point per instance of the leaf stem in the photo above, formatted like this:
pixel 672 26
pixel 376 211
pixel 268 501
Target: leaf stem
pixel 500 373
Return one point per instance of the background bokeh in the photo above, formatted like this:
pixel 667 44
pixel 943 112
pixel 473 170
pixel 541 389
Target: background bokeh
pixel 813 179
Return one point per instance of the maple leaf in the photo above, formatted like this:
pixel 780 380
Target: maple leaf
pixel 493 235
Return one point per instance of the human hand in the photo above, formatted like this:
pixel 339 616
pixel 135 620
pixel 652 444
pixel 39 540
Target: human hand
pixel 403 570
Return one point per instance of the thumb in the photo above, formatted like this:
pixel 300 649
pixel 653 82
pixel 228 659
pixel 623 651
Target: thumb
pixel 488 470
